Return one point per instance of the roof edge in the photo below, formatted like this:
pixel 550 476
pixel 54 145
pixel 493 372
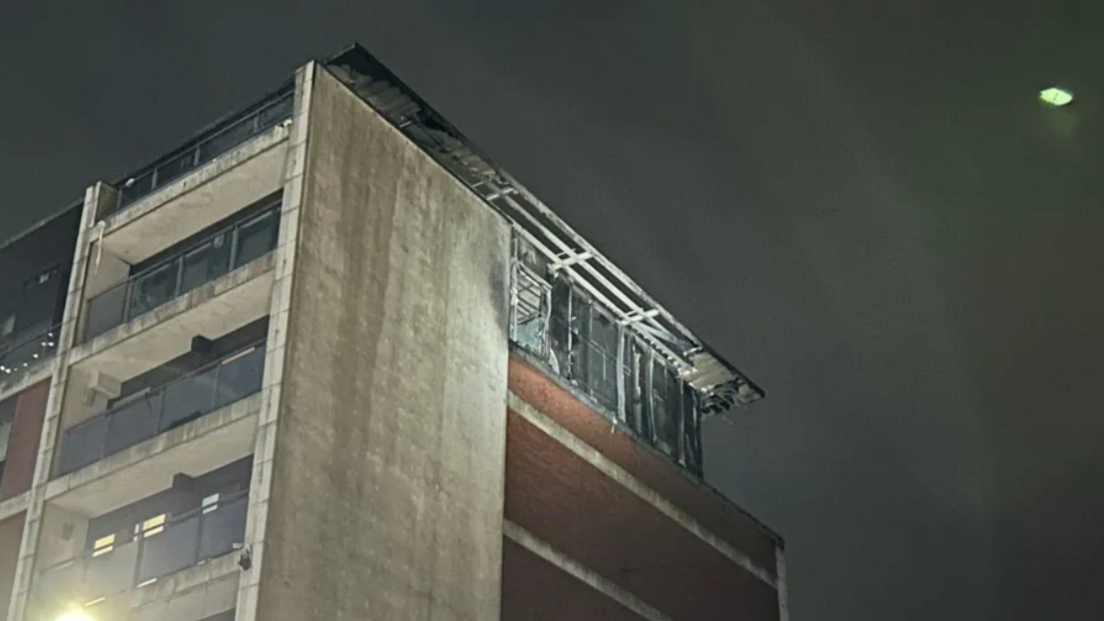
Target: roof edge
pixel 709 373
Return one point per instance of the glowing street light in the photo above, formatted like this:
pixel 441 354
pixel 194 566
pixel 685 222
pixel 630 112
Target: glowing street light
pixel 1055 96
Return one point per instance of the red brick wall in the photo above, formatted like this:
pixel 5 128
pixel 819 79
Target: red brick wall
pixel 11 531
pixel 591 518
pixel 30 408
pixel 535 590
pixel 706 505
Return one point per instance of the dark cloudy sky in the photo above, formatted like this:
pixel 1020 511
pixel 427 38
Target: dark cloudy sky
pixel 860 203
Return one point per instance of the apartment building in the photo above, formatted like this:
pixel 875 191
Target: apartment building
pixel 327 360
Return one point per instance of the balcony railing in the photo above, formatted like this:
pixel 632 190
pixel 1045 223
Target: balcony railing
pixel 26 350
pixel 187 540
pixel 199 264
pixel 180 401
pixel 222 138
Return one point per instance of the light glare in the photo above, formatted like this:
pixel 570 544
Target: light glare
pixel 76 615
pixel 1055 96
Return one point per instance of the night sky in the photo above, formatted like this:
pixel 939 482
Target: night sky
pixel 864 207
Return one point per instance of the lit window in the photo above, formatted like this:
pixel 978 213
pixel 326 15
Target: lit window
pixel 103 545
pixel 210 503
pixel 150 527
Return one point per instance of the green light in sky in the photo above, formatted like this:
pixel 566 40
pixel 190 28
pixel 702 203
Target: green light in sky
pixel 1055 96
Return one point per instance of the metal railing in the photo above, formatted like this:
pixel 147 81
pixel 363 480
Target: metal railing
pixel 220 139
pixel 185 541
pixel 140 418
pixel 26 350
pixel 184 271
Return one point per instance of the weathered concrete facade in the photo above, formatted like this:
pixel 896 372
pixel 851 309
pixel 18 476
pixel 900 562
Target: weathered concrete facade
pixel 388 472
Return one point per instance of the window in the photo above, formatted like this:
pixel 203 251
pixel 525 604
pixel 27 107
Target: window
pixel 152 289
pixel 602 359
pixel 666 409
pixel 588 345
pixel 7 325
pixel 150 527
pixel 210 503
pixel 531 308
pixel 256 238
pixel 206 263
pixel 103 545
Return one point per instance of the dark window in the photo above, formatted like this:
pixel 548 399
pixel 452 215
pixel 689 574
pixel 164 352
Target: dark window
pixel 560 327
pixel 532 305
pixel 256 238
pixel 602 359
pixel 205 263
pixel 666 408
pixel 691 429
pixel 153 289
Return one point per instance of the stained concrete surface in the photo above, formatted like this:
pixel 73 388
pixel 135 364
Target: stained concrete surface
pixel 388 474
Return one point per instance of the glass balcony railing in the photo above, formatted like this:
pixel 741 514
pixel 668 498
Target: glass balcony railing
pixel 26 350
pixel 185 399
pixel 199 264
pixel 185 541
pixel 222 138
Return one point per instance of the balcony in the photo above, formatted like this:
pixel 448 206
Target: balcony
pixel 26 352
pixel 199 264
pixel 236 163
pixel 138 419
pixel 182 542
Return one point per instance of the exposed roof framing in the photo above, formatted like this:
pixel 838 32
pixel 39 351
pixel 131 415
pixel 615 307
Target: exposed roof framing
pixel 721 385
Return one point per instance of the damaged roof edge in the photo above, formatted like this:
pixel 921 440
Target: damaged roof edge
pixel 721 383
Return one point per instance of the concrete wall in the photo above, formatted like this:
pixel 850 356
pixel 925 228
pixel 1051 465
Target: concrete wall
pixel 535 590
pixel 30 408
pixel 387 484
pixel 61 536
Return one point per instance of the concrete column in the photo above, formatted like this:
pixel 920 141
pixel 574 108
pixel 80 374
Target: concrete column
pixel 782 585
pixel 260 487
